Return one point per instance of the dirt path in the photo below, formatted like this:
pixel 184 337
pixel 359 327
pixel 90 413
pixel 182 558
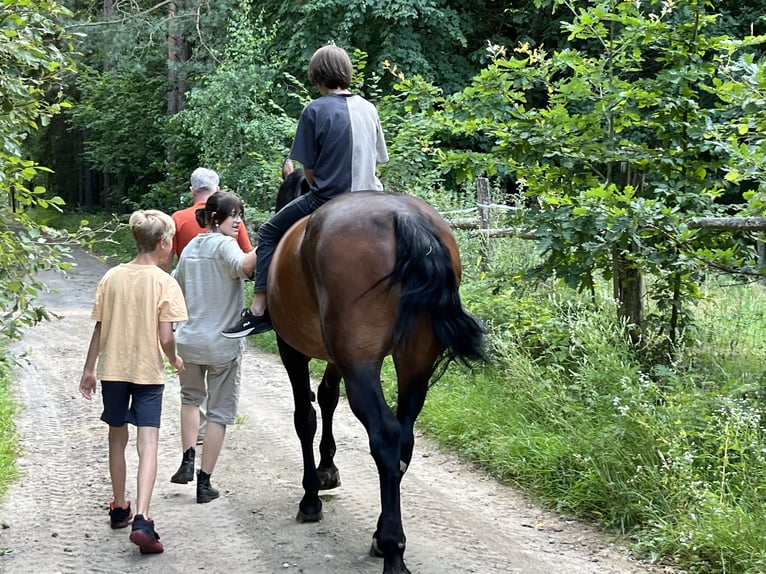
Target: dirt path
pixel 54 518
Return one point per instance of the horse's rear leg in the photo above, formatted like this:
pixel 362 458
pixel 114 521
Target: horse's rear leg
pixel 412 386
pixel 366 399
pixel 305 421
pixel 414 363
pixel 328 393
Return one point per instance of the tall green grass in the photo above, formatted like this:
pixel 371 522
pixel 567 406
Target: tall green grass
pixel 8 437
pixel 673 455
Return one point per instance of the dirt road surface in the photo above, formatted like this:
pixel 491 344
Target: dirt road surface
pixel 54 518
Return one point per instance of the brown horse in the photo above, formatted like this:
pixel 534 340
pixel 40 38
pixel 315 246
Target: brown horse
pixel 369 274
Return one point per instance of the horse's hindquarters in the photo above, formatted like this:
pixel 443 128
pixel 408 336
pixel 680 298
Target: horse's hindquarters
pixel 292 299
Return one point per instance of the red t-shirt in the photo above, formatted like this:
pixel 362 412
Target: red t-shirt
pixel 187 229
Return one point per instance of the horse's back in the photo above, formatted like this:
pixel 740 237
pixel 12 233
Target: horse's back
pixel 367 219
pixel 328 283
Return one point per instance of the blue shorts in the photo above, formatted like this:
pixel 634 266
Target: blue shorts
pixel 139 405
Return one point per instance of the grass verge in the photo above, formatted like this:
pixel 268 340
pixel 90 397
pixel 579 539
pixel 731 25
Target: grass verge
pixel 8 437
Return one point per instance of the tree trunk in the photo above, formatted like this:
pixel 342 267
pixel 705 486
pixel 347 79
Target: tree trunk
pixel 627 282
pixel 178 54
pixel 106 180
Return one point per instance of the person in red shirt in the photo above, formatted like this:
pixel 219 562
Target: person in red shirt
pixel 204 183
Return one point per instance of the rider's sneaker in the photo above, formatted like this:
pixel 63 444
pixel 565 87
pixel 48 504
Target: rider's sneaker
pixel 119 517
pixel 248 324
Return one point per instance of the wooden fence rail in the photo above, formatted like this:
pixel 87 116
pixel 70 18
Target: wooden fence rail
pixel 482 225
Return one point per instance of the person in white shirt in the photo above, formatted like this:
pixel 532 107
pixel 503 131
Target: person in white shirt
pixel 211 273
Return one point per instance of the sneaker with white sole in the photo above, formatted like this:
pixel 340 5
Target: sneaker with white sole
pixel 248 324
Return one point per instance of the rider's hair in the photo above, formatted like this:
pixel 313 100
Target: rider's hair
pixel 331 67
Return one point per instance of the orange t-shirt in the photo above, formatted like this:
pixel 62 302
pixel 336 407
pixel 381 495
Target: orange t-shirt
pixel 131 301
pixel 187 229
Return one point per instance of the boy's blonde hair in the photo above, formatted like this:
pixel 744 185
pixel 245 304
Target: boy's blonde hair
pixel 149 227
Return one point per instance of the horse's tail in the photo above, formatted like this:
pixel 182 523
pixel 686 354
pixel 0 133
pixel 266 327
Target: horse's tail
pixel 424 271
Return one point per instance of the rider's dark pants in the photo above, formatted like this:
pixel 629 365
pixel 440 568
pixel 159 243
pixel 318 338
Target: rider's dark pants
pixel 272 231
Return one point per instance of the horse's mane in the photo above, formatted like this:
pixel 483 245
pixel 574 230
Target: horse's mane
pixel 293 185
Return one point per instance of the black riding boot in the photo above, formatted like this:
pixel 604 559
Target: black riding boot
pixel 205 492
pixel 185 472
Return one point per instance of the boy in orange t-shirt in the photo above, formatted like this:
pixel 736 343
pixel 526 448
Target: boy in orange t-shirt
pixel 135 307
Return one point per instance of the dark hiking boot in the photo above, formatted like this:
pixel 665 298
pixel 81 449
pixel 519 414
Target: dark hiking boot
pixel 248 324
pixel 145 537
pixel 185 472
pixel 120 517
pixel 205 492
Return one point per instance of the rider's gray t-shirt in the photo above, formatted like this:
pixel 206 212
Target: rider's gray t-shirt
pixel 339 137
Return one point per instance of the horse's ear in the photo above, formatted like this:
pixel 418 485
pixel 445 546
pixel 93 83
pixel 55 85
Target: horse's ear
pixel 287 167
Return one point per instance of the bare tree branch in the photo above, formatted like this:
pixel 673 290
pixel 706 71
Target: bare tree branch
pixel 122 20
pixel 199 32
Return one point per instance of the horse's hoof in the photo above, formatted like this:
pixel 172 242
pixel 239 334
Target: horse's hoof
pixel 328 479
pixel 375 551
pixel 304 517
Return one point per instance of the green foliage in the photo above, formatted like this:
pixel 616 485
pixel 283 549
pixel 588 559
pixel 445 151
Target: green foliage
pixel 408 117
pixel 618 139
pixel 135 59
pixel 427 38
pixel 25 250
pixel 742 86
pixel 31 65
pixel 236 116
pixel 672 457
pixel 123 112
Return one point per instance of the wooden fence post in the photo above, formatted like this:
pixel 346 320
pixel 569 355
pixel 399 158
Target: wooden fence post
pixel 485 220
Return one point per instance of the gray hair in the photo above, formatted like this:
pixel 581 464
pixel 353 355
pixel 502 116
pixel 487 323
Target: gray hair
pixel 204 179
